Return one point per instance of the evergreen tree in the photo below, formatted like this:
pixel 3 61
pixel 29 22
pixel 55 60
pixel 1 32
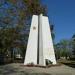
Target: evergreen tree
pixel 73 44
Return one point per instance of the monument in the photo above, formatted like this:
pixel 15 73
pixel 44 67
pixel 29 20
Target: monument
pixel 40 46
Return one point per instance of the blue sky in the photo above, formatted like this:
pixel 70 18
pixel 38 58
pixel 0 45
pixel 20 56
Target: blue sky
pixel 62 14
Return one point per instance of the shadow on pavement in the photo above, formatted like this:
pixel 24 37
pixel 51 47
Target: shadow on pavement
pixel 11 70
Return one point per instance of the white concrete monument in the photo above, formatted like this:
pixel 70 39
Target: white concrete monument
pixel 40 45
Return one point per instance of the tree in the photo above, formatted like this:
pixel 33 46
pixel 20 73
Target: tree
pixel 52 32
pixel 63 49
pixel 15 15
pixel 73 44
pixel 57 50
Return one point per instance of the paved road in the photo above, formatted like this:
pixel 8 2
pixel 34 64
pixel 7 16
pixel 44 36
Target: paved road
pixel 18 69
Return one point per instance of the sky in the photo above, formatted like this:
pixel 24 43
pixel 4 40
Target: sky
pixel 61 13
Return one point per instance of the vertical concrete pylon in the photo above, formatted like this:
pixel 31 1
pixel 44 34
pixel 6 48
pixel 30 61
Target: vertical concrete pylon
pixel 40 40
pixel 31 51
pixel 48 49
pixel 40 46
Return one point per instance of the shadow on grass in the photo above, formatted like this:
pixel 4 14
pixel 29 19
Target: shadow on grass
pixel 70 64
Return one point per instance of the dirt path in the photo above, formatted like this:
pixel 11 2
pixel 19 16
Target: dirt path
pixel 18 69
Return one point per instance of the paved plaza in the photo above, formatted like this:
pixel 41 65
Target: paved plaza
pixel 19 69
